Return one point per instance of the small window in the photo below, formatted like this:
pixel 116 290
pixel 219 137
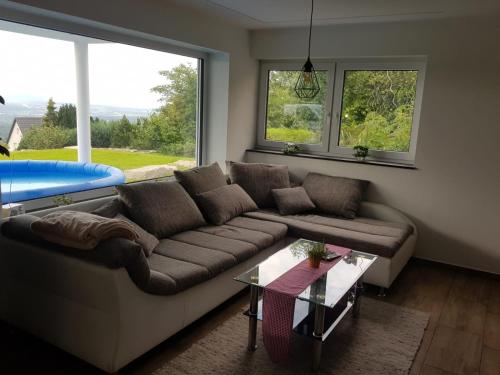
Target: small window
pixel 288 118
pixel 375 104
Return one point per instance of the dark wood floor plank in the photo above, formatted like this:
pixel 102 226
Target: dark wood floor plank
pixel 455 351
pixel 492 331
pixel 490 362
pixel 464 314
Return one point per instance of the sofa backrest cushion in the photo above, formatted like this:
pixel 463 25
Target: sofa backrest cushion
pixel 258 180
pixel 162 208
pixel 112 208
pixel 201 179
pixel 292 201
pixel 332 195
pixel 224 203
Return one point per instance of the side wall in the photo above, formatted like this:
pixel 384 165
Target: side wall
pixel 169 19
pixel 454 195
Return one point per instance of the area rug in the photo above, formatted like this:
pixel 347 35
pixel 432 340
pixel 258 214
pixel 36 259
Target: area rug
pixel 383 340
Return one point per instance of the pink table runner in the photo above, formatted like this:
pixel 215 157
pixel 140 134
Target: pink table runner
pixel 279 302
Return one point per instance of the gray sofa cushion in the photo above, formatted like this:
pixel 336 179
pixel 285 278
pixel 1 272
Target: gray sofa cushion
pixel 144 238
pixel 260 239
pixel 214 261
pixel 339 196
pixel 241 250
pixel 224 203
pixel 112 208
pixel 368 235
pixel 292 200
pixel 201 179
pixel 276 230
pixel 258 180
pixel 162 208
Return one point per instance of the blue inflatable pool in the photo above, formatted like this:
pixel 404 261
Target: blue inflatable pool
pixel 31 179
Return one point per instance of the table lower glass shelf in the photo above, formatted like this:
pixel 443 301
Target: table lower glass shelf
pixel 304 315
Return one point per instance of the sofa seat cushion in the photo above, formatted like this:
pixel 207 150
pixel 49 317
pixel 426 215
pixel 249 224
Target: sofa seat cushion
pixel 176 275
pixel 260 239
pixel 214 261
pixel 241 250
pixel 362 234
pixel 277 230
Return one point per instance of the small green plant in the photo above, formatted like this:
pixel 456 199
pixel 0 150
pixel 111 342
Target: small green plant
pixel 360 152
pixel 62 200
pixel 316 252
pixel 291 148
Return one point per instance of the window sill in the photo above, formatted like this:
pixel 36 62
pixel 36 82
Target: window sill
pixel 336 158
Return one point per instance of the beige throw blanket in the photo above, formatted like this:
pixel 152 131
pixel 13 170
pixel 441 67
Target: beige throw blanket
pixel 81 230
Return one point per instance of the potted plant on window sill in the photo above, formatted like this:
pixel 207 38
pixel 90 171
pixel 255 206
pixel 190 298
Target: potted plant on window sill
pixel 360 152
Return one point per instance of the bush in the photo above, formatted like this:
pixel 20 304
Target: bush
pixel 180 149
pixel 44 137
pixel 121 133
pixel 292 135
pixel 101 134
pixel 71 134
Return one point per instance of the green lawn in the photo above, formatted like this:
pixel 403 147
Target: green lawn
pixel 120 159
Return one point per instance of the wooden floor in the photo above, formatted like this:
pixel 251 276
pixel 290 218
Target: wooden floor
pixel 463 336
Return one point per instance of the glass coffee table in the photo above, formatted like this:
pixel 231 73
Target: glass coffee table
pixel 322 305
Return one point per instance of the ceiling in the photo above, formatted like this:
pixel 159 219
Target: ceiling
pixel 261 14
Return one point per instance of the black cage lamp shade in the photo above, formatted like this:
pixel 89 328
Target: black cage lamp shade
pixel 307 86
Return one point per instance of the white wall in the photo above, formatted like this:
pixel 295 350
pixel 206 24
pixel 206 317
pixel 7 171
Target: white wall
pixel 454 195
pixel 179 23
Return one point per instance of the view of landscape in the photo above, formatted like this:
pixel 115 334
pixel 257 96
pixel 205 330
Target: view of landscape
pixel 143 105
pixel 377 109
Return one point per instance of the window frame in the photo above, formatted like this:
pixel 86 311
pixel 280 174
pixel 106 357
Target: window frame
pixel 266 67
pixel 336 77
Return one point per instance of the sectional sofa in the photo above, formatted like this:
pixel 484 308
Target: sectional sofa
pixel 111 305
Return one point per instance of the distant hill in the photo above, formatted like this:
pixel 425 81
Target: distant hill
pixel 9 111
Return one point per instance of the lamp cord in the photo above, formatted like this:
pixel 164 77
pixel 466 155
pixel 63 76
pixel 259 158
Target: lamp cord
pixel 310 29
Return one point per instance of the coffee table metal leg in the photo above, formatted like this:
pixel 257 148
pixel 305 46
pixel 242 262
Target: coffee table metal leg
pixel 252 314
pixel 358 291
pixel 319 328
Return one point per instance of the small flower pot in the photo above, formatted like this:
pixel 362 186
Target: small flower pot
pixel 314 262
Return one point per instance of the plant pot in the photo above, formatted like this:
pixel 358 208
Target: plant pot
pixel 360 158
pixel 314 262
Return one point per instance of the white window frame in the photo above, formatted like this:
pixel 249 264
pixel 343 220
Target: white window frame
pixel 331 131
pixel 264 84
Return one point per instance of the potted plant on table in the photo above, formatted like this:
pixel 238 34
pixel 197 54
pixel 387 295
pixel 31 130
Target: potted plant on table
pixel 316 253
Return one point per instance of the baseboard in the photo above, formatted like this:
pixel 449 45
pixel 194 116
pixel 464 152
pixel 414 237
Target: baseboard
pixel 462 267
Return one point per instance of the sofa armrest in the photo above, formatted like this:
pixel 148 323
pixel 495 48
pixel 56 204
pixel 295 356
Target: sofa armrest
pixel 383 212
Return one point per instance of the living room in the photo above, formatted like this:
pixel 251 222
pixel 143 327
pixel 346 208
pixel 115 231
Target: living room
pixel 437 205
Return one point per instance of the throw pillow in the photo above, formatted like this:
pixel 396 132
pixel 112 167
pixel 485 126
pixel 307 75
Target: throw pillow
pixel 258 180
pixel 292 201
pixel 144 238
pixel 224 203
pixel 338 196
pixel 161 208
pixel 201 179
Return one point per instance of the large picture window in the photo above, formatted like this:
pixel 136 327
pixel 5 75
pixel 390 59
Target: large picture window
pixel 374 104
pixel 135 111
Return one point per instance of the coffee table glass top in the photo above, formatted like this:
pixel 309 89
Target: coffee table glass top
pixel 327 290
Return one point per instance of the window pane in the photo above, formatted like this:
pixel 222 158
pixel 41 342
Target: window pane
pixel 377 109
pixel 289 118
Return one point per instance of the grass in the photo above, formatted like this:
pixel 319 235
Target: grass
pixel 121 159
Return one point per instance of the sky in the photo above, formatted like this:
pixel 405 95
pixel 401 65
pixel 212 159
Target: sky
pixel 37 68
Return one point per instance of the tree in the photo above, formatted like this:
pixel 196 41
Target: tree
pixel 50 117
pixel 176 118
pixel 66 116
pixel 121 132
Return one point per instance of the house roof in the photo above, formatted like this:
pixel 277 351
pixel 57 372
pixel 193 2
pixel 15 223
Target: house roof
pixel 25 124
